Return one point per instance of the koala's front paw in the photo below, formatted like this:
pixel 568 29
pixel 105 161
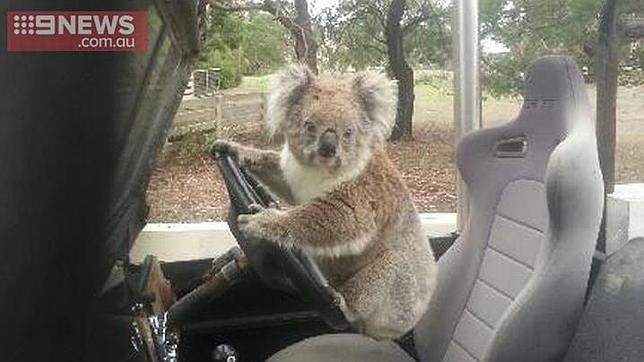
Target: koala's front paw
pixel 225 147
pixel 341 303
pixel 260 225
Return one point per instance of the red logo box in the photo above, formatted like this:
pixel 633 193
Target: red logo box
pixel 77 31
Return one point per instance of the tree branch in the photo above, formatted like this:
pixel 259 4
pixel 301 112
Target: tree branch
pixel 299 27
pixel 266 5
pixel 411 25
pixel 427 11
pixel 302 12
pixel 373 8
pixel 379 50
pixel 219 5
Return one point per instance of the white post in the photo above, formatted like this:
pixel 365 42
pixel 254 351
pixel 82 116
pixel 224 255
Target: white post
pixel 467 91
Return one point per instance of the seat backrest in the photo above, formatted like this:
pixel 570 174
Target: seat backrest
pixel 512 286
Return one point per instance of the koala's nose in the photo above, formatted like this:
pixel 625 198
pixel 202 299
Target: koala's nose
pixel 328 144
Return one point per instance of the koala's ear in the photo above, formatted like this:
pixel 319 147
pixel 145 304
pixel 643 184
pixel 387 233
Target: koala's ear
pixel 287 88
pixel 378 96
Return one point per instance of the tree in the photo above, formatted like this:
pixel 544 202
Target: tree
pixel 242 45
pixel 353 35
pixel 294 17
pixel 222 47
pixel 362 33
pixel 400 70
pixel 264 44
pixel 531 28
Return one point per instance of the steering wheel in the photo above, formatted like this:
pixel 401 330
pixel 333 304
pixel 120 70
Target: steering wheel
pixel 291 270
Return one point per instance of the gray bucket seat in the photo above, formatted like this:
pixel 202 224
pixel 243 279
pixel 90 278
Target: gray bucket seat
pixel 512 286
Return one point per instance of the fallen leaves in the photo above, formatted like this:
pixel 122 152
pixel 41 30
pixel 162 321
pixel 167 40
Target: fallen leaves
pixel 192 190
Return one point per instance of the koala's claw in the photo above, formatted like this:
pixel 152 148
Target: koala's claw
pixel 264 225
pixel 243 219
pixel 224 147
pixel 341 303
pixel 258 225
pixel 255 208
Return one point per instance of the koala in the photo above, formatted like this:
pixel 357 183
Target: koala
pixel 348 206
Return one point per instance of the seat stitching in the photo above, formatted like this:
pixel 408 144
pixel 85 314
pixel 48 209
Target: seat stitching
pixel 522 223
pixel 489 286
pixel 464 349
pixel 475 316
pixel 514 259
pixel 496 289
pixel 488 234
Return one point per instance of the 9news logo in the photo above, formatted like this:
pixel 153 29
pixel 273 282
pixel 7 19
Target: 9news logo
pixel 77 31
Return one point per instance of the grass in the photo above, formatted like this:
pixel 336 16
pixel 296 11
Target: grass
pixel 431 93
pixel 254 84
pixel 186 186
pixel 434 89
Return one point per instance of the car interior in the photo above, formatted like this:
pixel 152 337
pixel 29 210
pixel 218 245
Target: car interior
pixel 514 282
pixel 522 282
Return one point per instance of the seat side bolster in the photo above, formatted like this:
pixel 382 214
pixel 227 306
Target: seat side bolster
pixel 556 292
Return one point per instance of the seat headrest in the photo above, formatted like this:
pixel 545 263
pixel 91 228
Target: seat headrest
pixel 553 78
pixel 555 107
pixel 554 91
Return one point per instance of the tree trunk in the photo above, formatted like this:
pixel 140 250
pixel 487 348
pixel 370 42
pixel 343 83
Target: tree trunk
pixel 606 122
pixel 401 71
pixel 306 47
pixel 607 73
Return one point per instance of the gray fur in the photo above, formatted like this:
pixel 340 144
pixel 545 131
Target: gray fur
pixel 350 210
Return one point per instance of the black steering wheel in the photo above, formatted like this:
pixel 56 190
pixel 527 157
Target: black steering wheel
pixel 291 270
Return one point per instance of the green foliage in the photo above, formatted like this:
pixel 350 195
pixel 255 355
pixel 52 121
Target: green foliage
pixel 222 47
pixel 183 150
pixel 502 74
pixel 242 44
pixel 430 45
pixel 437 82
pixel 264 43
pixel 530 28
pixel 353 35
pixel 229 63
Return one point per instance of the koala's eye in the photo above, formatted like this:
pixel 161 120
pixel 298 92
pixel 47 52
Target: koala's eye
pixel 348 133
pixel 310 127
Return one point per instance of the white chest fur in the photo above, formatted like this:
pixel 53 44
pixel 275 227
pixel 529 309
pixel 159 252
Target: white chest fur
pixel 307 182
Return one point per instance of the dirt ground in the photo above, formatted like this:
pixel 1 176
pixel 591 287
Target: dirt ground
pixel 186 187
